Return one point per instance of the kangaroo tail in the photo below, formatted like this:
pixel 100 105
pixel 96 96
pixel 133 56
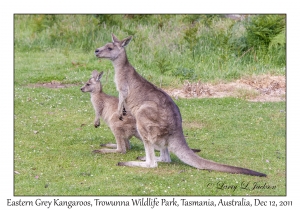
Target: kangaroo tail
pixel 185 154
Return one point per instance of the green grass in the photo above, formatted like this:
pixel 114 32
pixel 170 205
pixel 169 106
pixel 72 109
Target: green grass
pixel 51 143
pixel 54 133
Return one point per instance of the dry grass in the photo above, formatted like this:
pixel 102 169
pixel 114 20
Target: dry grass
pixel 252 88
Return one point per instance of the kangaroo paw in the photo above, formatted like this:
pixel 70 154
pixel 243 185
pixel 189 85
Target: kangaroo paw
pixel 196 150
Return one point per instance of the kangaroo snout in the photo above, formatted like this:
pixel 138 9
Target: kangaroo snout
pixel 82 89
pixel 98 52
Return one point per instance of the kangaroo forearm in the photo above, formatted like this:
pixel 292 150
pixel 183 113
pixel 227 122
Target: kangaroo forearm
pixel 97 122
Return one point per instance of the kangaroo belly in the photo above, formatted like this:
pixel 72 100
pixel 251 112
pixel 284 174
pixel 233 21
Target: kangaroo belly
pixel 153 125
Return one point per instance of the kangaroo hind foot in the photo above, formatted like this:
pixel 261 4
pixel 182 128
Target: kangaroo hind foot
pixel 106 151
pixel 109 145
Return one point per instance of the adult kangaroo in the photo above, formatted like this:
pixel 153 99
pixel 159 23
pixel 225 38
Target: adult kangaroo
pixel 158 118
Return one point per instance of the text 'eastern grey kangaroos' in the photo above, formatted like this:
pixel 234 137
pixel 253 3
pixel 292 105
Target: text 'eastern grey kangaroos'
pixel 158 119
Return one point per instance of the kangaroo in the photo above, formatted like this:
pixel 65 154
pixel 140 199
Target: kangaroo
pixel 105 106
pixel 158 119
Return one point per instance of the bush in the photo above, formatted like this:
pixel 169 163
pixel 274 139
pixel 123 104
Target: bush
pixel 263 29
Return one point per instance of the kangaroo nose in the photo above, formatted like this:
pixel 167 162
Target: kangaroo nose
pixel 97 50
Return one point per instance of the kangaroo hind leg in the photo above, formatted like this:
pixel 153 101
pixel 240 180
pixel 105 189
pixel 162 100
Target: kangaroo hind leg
pixel 163 157
pixel 150 158
pixel 121 146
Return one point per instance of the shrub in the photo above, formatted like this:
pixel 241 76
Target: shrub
pixel 262 29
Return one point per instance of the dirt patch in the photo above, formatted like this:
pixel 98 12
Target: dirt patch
pixel 53 84
pixel 254 88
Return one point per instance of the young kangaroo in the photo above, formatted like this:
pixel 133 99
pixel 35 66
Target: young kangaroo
pixel 158 118
pixel 105 106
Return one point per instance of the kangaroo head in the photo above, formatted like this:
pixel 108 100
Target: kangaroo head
pixel 113 49
pixel 93 85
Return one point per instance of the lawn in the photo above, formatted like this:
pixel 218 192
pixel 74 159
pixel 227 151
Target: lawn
pixel 53 127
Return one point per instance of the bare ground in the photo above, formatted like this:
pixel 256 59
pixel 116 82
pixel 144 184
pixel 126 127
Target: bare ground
pixel 261 88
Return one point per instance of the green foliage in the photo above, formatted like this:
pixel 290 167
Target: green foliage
pixel 237 41
pixel 213 46
pixel 277 47
pixel 191 37
pixel 57 31
pixel 192 18
pixel 185 74
pixel 163 64
pixel 209 19
pixel 41 22
pixel 279 39
pixel 262 29
pixel 108 20
pixel 140 18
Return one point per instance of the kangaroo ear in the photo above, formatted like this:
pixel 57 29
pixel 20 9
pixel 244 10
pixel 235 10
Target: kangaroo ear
pixel 95 74
pixel 114 38
pixel 126 41
pixel 99 76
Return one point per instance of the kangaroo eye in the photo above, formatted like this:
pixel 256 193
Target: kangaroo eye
pixel 87 84
pixel 109 48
